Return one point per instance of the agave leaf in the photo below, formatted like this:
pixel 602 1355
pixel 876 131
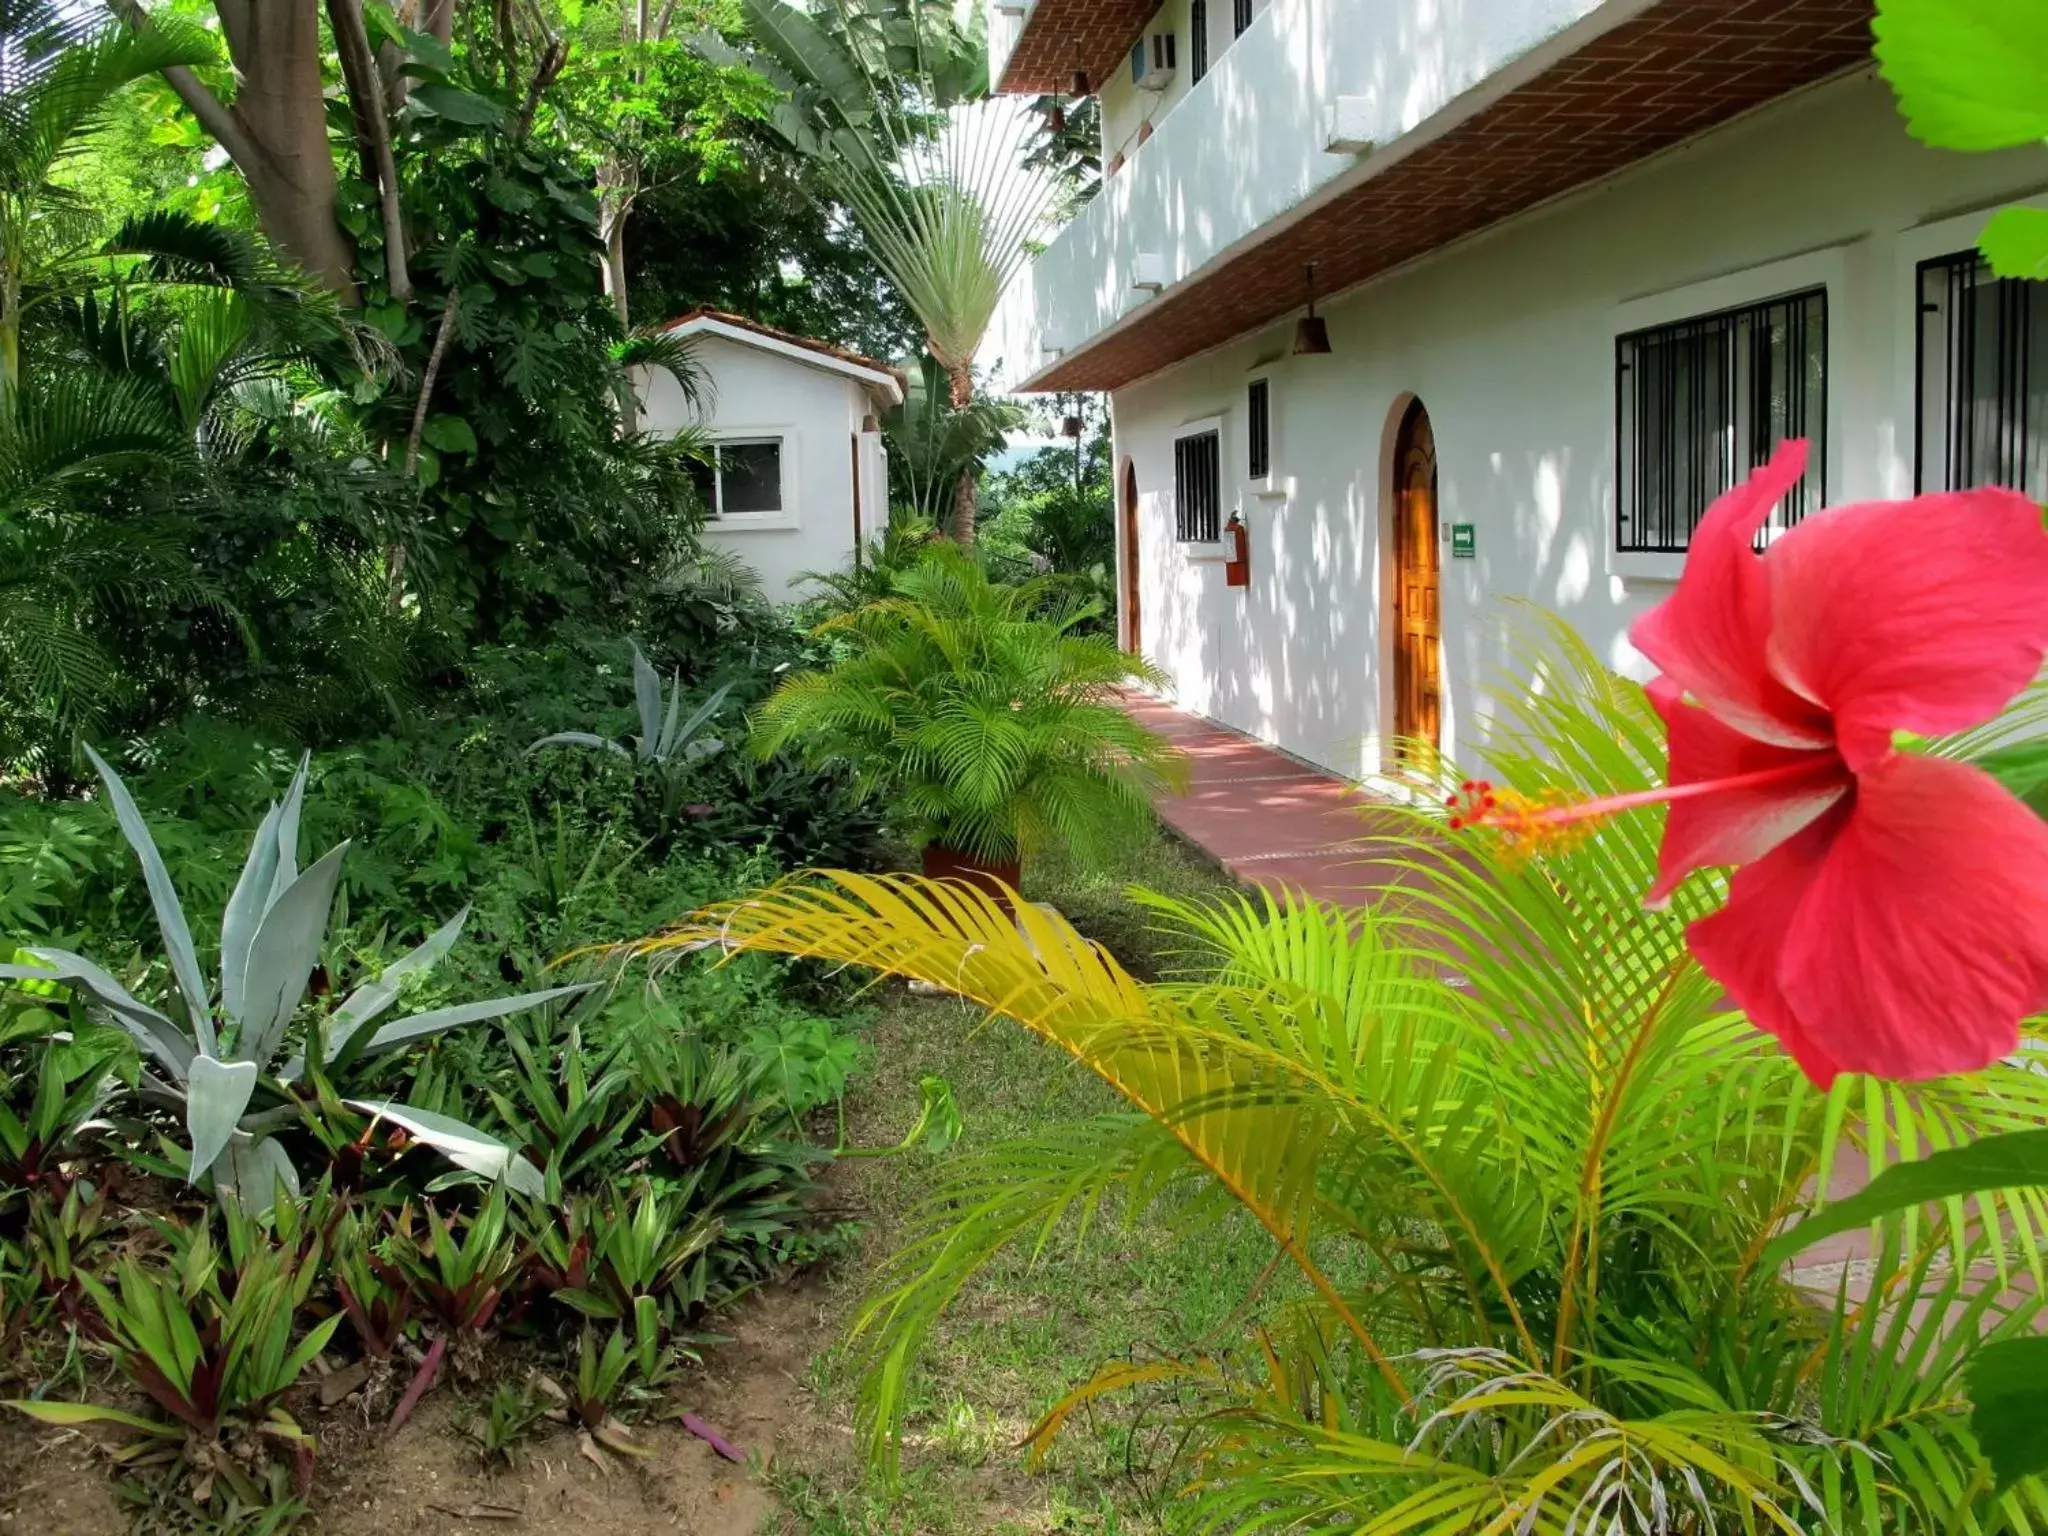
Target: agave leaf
pixel 282 956
pixel 666 742
pixel 697 751
pixel 245 910
pixel 579 739
pixel 373 998
pixel 151 1030
pixel 288 832
pixel 170 915
pixel 647 694
pixel 436 1020
pixel 699 720
pixel 216 1093
pixel 462 1145
pixel 253 1169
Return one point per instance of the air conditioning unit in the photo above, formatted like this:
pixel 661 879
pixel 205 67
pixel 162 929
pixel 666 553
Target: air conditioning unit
pixel 1152 62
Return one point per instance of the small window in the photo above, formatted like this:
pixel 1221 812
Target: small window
pixel 1701 403
pixel 1198 40
pixel 1243 16
pixel 743 476
pixel 1258 411
pixel 1983 411
pixel 1198 488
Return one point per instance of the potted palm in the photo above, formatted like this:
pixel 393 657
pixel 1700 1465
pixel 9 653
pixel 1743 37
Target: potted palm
pixel 982 715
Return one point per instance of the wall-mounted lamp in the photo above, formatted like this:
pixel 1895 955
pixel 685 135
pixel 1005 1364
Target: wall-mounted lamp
pixel 871 423
pixel 1311 334
pixel 1078 85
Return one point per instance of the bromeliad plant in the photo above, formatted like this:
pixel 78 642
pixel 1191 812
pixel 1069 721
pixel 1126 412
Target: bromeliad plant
pixel 980 716
pixel 1526 1210
pixel 225 1067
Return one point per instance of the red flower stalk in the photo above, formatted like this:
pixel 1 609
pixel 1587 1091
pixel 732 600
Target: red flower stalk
pixel 1889 914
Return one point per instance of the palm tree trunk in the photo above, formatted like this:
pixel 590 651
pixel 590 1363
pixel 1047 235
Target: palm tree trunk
pixel 961 376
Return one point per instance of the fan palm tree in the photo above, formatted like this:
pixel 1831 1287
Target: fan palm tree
pixel 890 97
pixel 1522 1158
pixel 979 715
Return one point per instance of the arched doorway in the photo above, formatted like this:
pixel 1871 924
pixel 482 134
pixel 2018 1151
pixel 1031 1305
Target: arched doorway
pixel 1133 634
pixel 1418 623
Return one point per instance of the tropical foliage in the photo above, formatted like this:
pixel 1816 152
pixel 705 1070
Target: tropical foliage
pixel 978 714
pixel 1523 1163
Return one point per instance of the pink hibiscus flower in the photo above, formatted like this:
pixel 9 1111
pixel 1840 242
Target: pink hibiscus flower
pixel 1889 913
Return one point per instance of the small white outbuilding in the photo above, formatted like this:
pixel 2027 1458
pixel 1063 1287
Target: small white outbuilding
pixel 800 479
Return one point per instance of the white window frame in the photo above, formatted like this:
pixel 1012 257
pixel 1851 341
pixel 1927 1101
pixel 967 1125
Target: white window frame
pixel 1824 269
pixel 1201 550
pixel 1926 242
pixel 786 517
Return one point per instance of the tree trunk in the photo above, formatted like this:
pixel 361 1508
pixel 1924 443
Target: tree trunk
pixel 373 129
pixel 961 377
pixel 280 108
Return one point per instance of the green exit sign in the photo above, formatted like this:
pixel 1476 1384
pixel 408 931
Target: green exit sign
pixel 1464 541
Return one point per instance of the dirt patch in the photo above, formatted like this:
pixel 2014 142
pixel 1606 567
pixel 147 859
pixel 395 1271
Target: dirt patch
pixel 53 1481
pixel 428 1478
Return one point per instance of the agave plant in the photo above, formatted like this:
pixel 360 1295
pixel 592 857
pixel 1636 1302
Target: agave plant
pixel 232 1046
pixel 666 739
pixel 1523 1159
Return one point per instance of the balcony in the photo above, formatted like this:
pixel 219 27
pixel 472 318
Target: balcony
pixel 1468 111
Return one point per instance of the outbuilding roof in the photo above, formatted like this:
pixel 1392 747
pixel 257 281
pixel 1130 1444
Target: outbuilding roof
pixel 706 321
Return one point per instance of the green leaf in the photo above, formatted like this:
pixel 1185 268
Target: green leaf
pixel 456 105
pixel 170 914
pixel 439 1020
pixel 282 956
pixel 2021 768
pixel 2008 1385
pixel 1970 74
pixel 450 434
pixel 71 1415
pixel 2018 1159
pixel 2015 242
pixel 216 1093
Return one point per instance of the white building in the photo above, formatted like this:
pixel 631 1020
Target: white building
pixel 799 479
pixel 1582 263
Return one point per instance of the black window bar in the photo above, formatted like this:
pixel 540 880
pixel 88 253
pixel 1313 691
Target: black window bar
pixel 1981 410
pixel 1198 41
pixel 1701 403
pixel 1243 17
pixel 1197 489
pixel 1259 429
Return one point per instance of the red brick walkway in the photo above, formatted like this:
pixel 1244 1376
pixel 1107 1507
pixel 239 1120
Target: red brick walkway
pixel 1272 819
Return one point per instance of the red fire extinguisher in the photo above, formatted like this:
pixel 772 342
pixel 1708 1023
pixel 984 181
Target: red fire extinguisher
pixel 1237 567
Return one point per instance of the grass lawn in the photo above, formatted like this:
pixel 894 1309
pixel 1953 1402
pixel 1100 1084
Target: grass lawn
pixel 1023 1334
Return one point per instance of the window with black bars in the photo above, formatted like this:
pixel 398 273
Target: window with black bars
pixel 1198 488
pixel 1983 411
pixel 1243 17
pixel 1258 411
pixel 1198 40
pixel 1701 403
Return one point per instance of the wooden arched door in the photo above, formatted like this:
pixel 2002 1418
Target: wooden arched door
pixel 1418 623
pixel 1128 508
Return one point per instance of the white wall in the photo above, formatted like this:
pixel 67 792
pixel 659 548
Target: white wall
pixel 1509 341
pixel 816 412
pixel 1245 146
pixel 1125 108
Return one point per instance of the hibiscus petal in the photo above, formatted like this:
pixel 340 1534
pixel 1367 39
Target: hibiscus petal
pixel 1711 635
pixel 1740 945
pixel 1926 615
pixel 1742 824
pixel 1923 939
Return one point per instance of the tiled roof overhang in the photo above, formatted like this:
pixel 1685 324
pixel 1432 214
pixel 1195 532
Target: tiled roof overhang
pixel 1059 35
pixel 1679 67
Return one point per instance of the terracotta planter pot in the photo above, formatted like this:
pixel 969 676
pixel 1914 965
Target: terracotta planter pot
pixel 997 880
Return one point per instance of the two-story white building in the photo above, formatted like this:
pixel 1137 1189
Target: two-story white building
pixel 1580 264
